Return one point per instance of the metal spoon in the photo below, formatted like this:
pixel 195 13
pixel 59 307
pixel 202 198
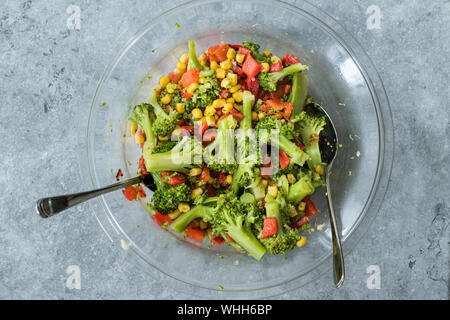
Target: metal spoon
pixel 328 149
pixel 47 207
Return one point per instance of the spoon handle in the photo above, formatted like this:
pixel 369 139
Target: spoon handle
pixel 47 207
pixel 338 258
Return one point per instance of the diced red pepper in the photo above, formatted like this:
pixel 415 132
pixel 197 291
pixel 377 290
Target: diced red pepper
pixel 204 176
pixel 224 93
pixel 177 179
pixel 237 69
pixel 299 223
pixel 289 59
pixel 301 146
pixel 235 46
pixel 270 227
pixel 119 174
pixel 267 167
pixel 210 191
pixel 130 193
pixel 263 201
pixel 253 86
pixel 161 218
pixel 237 114
pixel 230 239
pixel 200 129
pixel 189 77
pixel 287 88
pixel 174 77
pixel 284 159
pixel 209 137
pixel 195 233
pixel 222 177
pixel 276 67
pixel 218 240
pixel 142 166
pixel 141 192
pixel 310 208
pixel 218 52
pixel 251 67
pixel 219 112
pixel 189 129
pixel 186 95
pixel 288 110
pixel 246 52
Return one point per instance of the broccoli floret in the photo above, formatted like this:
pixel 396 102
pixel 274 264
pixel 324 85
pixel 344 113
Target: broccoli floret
pixel 254 48
pixel 299 91
pixel 165 146
pixel 286 237
pixel 257 188
pixel 205 94
pixel 175 95
pixel 310 128
pixel 302 188
pixel 193 61
pixel 223 145
pixel 186 154
pixel 164 123
pixel 142 115
pixel 235 219
pixel 200 211
pixel 264 129
pixel 167 197
pixel 268 80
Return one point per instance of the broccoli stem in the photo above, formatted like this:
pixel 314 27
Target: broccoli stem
pixel 185 219
pixel 299 91
pixel 295 154
pixel 153 100
pixel 277 76
pixel 273 211
pixel 193 61
pixel 247 241
pixel 300 189
pixel 257 189
pixel 247 104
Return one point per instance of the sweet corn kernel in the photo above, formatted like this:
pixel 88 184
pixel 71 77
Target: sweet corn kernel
pixel 210 110
pixel 216 116
pixel 237 107
pixel 194 224
pixel 233 78
pixel 227 108
pixel 192 87
pixel 166 99
pixel 209 233
pixel 238 96
pixel 293 213
pixel 184 207
pixel 319 169
pixel 177 131
pixel 265 183
pixel 163 138
pixel 231 53
pixel 301 206
pixel 254 115
pixel 195 172
pixel 133 128
pixel 170 89
pixel 197 113
pixel 218 103
pixel 279 116
pixel 291 178
pixel 261 115
pixel 139 138
pixel 235 88
pixel 229 179
pixel 202 80
pixel 196 192
pixel 273 191
pixel 184 57
pixel 175 214
pixel 225 83
pixel 213 65
pixel 301 242
pixel 181 66
pixel 163 81
pixel 180 107
pixel 203 224
pixel 211 180
pixel 266 66
pixel 274 59
pixel 240 58
pixel 220 73
pixel 226 65
pixel 210 121
pixel 266 53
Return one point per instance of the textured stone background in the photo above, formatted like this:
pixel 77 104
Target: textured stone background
pixel 46 74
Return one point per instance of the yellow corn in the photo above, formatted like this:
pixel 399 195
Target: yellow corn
pixel 231 53
pixel 184 207
pixel 180 107
pixel 291 178
pixel 202 80
pixel 266 66
pixel 293 213
pixel 220 73
pixel 163 138
pixel 254 115
pixel 181 66
pixel 319 169
pixel 175 214
pixel 230 100
pixel 266 53
pixel 240 58
pixel 192 87
pixel 139 138
pixel 214 65
pixel 238 96
pixel 194 224
pixel 163 81
pixel 237 107
pixel 203 224
pixel 225 83
pixel 210 121
pixel 218 103
pixel 176 131
pixel 184 58
pixel 133 128
pixel 210 110
pixel 301 242
pixel 229 179
pixel 227 108
pixel 170 89
pixel 261 115
pixel 233 78
pixel 209 233
pixel 273 191
pixel 265 183
pixel 226 65
pixel 235 88
pixel 166 99
pixel 195 172
pixel 274 59
pixel 301 206
pixel 197 113
pixel 196 192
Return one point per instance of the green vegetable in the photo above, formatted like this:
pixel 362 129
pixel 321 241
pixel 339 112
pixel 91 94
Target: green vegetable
pixel 193 61
pixel 302 188
pixel 268 80
pixel 142 115
pixel 310 128
pixel 299 91
pixel 205 94
pixel 165 146
pixel 164 123
pixel 167 197
pixel 254 48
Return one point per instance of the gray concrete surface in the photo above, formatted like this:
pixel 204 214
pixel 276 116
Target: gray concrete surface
pixel 47 80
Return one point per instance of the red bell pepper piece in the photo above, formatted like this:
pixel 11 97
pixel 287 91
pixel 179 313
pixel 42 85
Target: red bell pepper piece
pixel 200 129
pixel 276 67
pixel 142 166
pixel 218 52
pixel 177 179
pixel 253 86
pixel 310 208
pixel 301 146
pixel 246 52
pixel 288 110
pixel 284 159
pixel 195 233
pixel 204 176
pixel 189 129
pixel 209 137
pixel 174 77
pixel 186 95
pixel 224 93
pixel 270 227
pixel 230 239
pixel 161 218
pixel 235 46
pixel 288 58
pixel 189 77
pixel 237 69
pixel 130 193
pixel 141 192
pixel 251 67
pixel 222 177
pixel 237 114
pixel 210 191
pixel 299 223
pixel 218 240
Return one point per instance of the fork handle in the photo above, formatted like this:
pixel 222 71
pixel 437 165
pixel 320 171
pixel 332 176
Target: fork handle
pixel 47 207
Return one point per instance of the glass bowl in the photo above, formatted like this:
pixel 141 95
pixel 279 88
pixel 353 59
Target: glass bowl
pixel 341 78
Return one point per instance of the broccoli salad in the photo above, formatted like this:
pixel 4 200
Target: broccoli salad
pixel 231 149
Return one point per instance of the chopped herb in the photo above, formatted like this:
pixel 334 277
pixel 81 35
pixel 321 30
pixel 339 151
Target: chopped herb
pixel 177 25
